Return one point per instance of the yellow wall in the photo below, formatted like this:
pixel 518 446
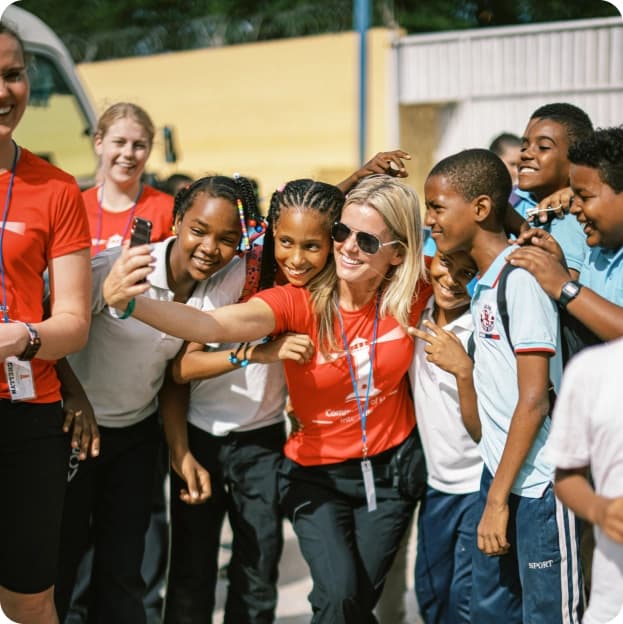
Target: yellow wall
pixel 273 110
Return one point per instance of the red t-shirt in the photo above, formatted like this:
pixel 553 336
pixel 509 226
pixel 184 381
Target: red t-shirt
pixel 46 219
pixel 115 227
pixel 322 392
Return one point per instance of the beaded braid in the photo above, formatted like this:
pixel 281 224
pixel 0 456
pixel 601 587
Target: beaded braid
pixel 302 194
pixel 251 221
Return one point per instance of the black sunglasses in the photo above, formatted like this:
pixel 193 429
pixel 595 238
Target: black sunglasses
pixel 368 243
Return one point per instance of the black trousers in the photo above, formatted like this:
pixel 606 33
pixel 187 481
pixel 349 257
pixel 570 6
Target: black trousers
pixel 349 550
pixel 243 469
pixel 108 501
pixel 33 460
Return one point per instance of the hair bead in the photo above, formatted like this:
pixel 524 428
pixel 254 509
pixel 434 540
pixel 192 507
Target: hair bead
pixel 245 245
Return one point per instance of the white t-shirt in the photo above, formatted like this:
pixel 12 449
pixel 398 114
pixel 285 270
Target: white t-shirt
pixel 123 363
pixel 243 399
pixel 587 429
pixel 452 457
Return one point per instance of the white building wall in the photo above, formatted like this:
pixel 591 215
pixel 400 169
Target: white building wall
pixel 490 80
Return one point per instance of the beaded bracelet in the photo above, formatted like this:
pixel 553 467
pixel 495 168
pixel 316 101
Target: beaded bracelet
pixel 128 311
pixel 245 360
pixel 233 356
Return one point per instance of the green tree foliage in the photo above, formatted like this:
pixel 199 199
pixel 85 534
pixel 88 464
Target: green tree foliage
pixel 100 29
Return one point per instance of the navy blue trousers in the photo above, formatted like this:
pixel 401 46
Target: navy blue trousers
pixel 443 566
pixel 539 581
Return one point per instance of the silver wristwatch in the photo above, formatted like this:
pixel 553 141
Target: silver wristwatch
pixel 568 293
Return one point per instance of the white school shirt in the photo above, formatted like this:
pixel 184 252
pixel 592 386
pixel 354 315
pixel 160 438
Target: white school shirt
pixel 452 458
pixel 533 324
pixel 243 399
pixel 587 430
pixel 123 363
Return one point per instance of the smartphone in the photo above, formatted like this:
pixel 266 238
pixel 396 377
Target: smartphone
pixel 141 232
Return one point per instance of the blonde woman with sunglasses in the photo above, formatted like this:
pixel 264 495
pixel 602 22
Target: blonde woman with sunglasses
pixel 338 482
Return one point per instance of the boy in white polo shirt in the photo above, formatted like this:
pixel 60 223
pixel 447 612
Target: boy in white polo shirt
pixel 448 512
pixel 525 568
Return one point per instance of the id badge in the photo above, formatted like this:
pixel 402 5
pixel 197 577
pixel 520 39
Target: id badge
pixel 368 483
pixel 20 379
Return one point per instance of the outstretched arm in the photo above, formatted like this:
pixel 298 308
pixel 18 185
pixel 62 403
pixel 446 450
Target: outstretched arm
pixel 234 323
pixel 195 363
pixel 383 162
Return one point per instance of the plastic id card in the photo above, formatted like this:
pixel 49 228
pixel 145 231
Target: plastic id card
pixel 368 484
pixel 19 378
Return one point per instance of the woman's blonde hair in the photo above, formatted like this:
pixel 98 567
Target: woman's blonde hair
pixel 123 110
pixel 398 204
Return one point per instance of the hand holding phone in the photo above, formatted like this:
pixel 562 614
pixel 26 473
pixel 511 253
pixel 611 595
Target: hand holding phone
pixel 141 232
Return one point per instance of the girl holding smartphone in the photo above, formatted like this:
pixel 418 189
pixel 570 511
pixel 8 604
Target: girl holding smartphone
pixel 120 373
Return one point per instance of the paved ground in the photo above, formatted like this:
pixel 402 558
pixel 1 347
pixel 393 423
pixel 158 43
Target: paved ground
pixel 295 584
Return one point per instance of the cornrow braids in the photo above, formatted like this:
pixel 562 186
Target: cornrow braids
pixel 302 194
pixel 237 190
pixel 251 221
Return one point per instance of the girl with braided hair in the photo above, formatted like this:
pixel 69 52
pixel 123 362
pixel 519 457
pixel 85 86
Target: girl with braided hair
pixel 233 433
pixel 338 482
pixel 119 376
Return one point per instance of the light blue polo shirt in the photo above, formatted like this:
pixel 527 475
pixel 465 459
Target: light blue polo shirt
pixel 533 324
pixel 567 231
pixel 602 272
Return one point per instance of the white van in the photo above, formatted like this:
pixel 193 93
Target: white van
pixel 59 122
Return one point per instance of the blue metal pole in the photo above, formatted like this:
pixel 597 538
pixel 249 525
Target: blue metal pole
pixel 361 19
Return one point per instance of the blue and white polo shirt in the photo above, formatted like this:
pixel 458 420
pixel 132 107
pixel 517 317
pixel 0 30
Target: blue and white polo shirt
pixel 533 324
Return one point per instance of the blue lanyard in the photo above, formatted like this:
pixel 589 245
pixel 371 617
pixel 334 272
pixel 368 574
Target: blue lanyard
pixel 363 410
pixel 7 203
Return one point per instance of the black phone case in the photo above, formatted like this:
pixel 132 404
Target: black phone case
pixel 141 232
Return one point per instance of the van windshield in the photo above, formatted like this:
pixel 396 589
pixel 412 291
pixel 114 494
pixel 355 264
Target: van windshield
pixel 54 126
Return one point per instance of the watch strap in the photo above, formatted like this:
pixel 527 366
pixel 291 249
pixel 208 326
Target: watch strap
pixel 569 292
pixel 34 343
